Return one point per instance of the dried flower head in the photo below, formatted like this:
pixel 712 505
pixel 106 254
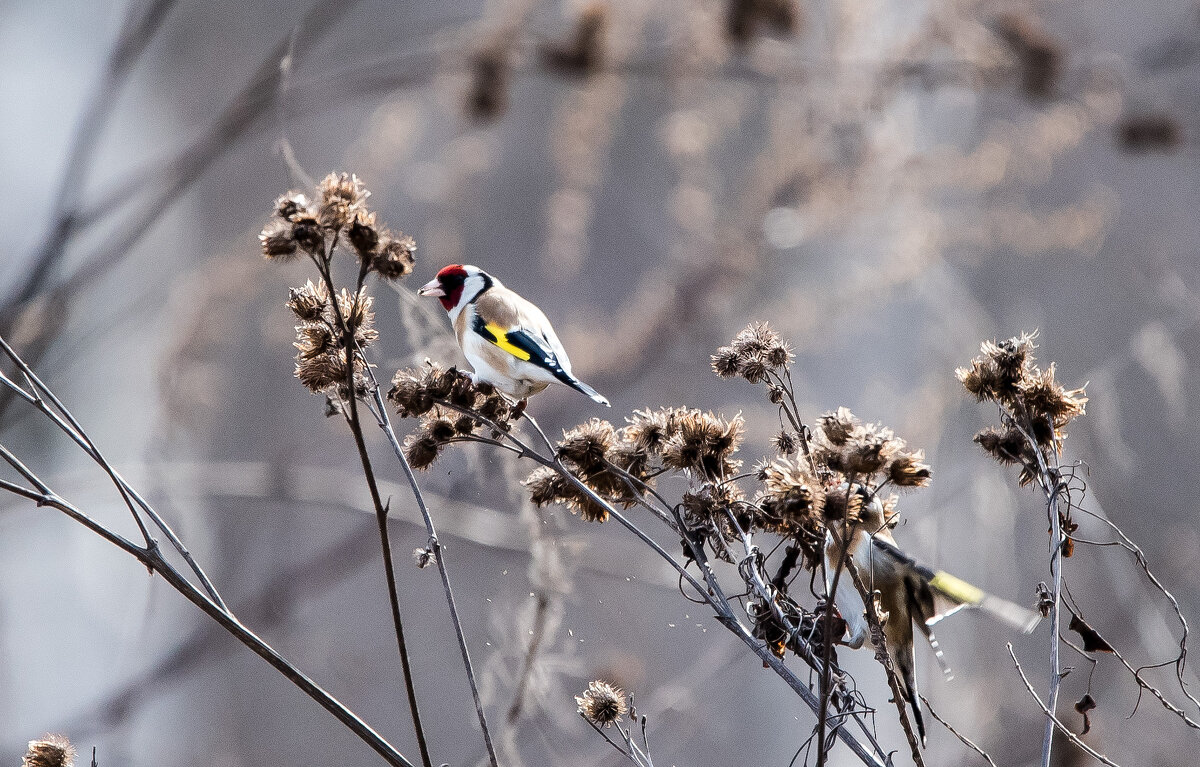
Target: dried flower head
pixel 843 503
pixel 587 445
pixel 726 362
pixel 650 429
pixel 277 240
pixel 756 338
pixel 313 339
pixel 308 234
pixel 320 372
pixel 753 368
pixel 603 704
pixel 341 194
pixel 49 751
pixel 779 355
pixel 835 428
pixel 395 258
pixel 291 205
pixel 1046 399
pixel 309 301
pixel 784 442
pixel 424 557
pixel 909 469
pixel 704 443
pixel 363 233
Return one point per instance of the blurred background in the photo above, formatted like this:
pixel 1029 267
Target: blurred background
pixel 887 182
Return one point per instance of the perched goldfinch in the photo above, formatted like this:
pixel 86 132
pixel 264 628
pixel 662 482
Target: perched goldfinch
pixel 507 340
pixel 908 593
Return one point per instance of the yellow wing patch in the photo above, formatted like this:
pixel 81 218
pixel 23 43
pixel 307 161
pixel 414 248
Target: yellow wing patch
pixel 956 588
pixel 501 339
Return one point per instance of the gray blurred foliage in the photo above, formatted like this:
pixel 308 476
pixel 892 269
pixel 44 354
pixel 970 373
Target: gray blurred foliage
pixel 882 186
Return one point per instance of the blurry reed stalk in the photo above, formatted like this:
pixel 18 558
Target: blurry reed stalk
pixel 39 396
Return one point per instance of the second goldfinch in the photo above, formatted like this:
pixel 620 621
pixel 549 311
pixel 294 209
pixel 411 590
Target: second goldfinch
pixel 508 341
pixel 909 594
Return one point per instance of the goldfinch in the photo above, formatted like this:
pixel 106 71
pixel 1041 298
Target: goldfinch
pixel 908 593
pixel 507 340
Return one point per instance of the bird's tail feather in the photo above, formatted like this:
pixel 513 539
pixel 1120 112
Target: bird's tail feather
pixel 580 386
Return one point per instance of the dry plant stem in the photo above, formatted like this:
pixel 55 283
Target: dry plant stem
pixel 827 639
pixel 713 595
pixel 136 33
pixel 1049 481
pixel 1052 719
pixel 962 738
pixel 381 512
pixel 47 402
pixel 384 422
pixel 153 560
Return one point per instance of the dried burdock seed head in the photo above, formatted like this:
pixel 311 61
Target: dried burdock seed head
pixel 363 232
pixel 756 338
pixel 309 301
pixel 341 194
pixel 909 470
pixel 49 751
pixel 322 371
pixel 495 408
pixel 395 258
pixel 869 449
pixel 779 355
pixel 312 340
pixel 703 443
pixel 585 52
pixel 547 486
pixel 841 504
pixel 630 457
pixel 308 233
pixel 753 368
pixel 491 71
pixel 710 501
pixel 440 428
pixel 410 394
pixel 277 241
pixel 587 445
pixel 291 205
pixel 424 557
pixel 1011 355
pixel 1005 445
pixel 726 362
pixel 421 450
pixel 775 394
pixel 1045 398
pixel 650 429
pixel 465 425
pixel 835 428
pixel 791 495
pixel 602 704
pixel 784 442
pixel 357 311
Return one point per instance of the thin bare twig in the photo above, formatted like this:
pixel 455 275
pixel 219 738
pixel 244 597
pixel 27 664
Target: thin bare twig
pixel 1052 719
pixel 962 738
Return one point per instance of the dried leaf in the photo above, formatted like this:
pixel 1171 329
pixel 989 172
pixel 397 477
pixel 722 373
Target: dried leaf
pixel 1092 641
pixel 1068 547
pixel 1086 703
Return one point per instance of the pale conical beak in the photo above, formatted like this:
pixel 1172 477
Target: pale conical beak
pixel 431 288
